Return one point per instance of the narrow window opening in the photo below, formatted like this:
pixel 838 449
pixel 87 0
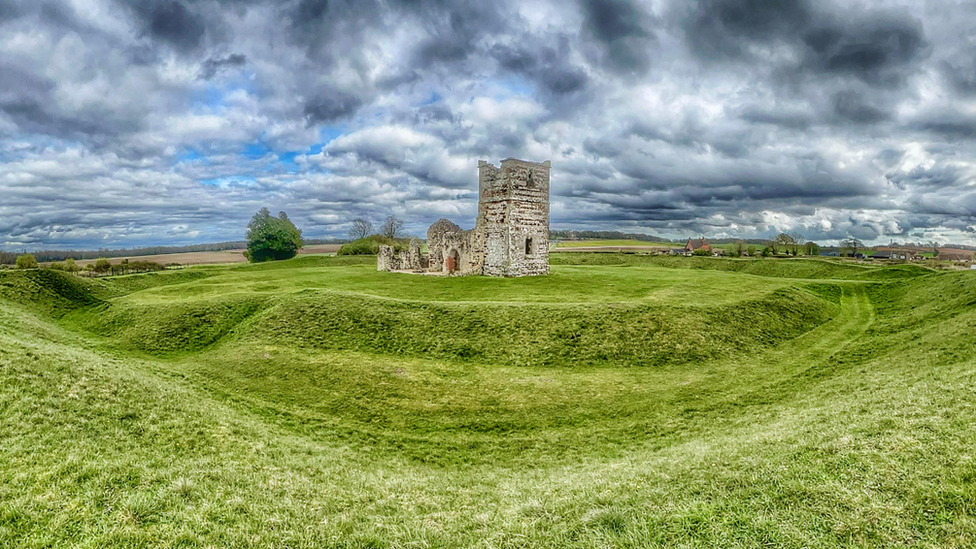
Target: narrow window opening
pixel 528 246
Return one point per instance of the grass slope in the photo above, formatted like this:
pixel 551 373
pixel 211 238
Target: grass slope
pixel 858 432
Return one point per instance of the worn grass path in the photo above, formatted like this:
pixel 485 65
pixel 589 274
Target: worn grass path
pixel 782 371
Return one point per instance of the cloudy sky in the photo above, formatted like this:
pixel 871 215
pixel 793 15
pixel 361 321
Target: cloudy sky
pixel 126 123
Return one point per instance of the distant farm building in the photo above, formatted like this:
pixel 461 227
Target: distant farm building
pixel 694 245
pixel 510 236
pixel 956 255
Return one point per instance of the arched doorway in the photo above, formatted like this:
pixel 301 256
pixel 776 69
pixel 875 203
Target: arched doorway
pixel 451 261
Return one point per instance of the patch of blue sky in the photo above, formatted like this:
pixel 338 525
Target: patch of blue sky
pixel 287 161
pixel 256 150
pixel 515 86
pixel 208 97
pixel 327 134
pixel 191 155
pixel 434 98
pixel 229 181
pixel 214 95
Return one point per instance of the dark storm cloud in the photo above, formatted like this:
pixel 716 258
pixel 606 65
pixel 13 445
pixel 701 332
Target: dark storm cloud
pixel 877 46
pixel 719 29
pixel 26 100
pixel 623 30
pixel 788 118
pixel 170 21
pixel 331 105
pixel 850 106
pixel 548 66
pixel 947 124
pixel 213 65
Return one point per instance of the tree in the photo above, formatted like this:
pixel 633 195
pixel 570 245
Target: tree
pixel 798 242
pixel 738 248
pixel 102 266
pixel 26 261
pixel 361 228
pixel 392 227
pixel 852 245
pixel 811 248
pixel 789 242
pixel 71 266
pixel 272 238
pixel 752 250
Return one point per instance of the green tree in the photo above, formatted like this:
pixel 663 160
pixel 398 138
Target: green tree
pixel 811 248
pixel 26 261
pixel 752 250
pixel 102 266
pixel 272 238
pixel 71 266
pixel 789 242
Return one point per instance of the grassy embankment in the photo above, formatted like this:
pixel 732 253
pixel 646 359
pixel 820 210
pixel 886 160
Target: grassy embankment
pixel 318 403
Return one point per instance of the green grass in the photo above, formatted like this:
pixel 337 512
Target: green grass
pixel 639 402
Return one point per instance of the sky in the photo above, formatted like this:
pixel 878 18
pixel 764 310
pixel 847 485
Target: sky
pixel 163 122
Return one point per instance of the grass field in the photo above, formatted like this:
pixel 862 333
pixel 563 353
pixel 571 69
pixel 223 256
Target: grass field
pixel 623 401
pixel 211 258
pixel 614 244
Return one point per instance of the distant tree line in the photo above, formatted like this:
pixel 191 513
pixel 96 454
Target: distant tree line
pixel 44 256
pixel 606 235
pixel 101 267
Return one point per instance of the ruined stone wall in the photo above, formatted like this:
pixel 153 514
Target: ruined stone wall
pixel 385 259
pixel 411 259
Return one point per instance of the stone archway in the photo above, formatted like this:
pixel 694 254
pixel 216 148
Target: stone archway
pixel 452 261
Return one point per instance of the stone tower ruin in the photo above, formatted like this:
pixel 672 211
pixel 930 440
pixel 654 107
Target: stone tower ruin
pixel 510 236
pixel 513 214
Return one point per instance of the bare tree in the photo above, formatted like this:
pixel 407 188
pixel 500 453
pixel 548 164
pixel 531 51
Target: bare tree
pixel 786 242
pixel 798 242
pixel 852 244
pixel 392 227
pixel 361 228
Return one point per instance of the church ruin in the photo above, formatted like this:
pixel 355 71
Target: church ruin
pixel 510 236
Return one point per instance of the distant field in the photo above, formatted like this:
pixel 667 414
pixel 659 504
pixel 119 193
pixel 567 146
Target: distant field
pixel 613 243
pixel 211 258
pixel 623 401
